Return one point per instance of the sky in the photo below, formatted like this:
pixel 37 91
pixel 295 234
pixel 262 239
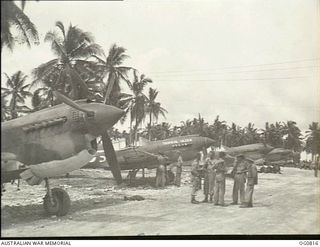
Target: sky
pixel 244 60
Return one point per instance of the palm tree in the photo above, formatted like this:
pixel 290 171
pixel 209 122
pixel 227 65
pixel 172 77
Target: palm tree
pixel 218 131
pixel 293 136
pixel 153 108
pixel 159 131
pixel 186 127
pixel 313 140
pixel 138 101
pixel 13 17
pixel 111 67
pixel 72 47
pixel 5 109
pixel 42 98
pixel 251 134
pixel 17 90
pixel 274 133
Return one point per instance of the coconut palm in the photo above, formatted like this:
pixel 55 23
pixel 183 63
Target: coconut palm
pixel 159 131
pixel 138 101
pixel 313 140
pixel 293 136
pixel 111 67
pixel 153 108
pixel 218 131
pixel 5 109
pixel 186 127
pixel 251 134
pixel 13 19
pixel 42 98
pixel 17 91
pixel 274 134
pixel 72 47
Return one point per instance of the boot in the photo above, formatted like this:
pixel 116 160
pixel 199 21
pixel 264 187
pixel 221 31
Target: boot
pixel 205 199
pixel 211 198
pixel 233 203
pixel 193 200
pixel 246 205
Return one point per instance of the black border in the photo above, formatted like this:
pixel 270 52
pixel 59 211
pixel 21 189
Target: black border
pixel 179 237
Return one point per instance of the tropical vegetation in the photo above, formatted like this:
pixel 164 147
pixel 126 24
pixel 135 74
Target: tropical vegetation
pixel 81 69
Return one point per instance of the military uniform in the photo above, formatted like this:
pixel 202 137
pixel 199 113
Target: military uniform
pixel 160 176
pixel 177 180
pixel 220 182
pixel 195 179
pixel 239 172
pixel 209 179
pixel 252 176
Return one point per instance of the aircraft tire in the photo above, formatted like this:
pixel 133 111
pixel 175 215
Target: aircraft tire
pixel 61 203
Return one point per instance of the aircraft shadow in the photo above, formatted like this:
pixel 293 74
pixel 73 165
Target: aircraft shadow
pixel 13 215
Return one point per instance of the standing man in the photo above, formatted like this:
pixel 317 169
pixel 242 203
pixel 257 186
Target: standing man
pixel 195 178
pixel 252 176
pixel 220 180
pixel 239 172
pixel 161 172
pixel 209 178
pixel 160 176
pixel 177 180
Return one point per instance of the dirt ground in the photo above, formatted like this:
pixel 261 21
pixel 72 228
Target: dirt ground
pixel 286 203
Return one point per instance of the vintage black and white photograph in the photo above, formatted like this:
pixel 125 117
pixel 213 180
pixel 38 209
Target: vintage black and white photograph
pixel 141 118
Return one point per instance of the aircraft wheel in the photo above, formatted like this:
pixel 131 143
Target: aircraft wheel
pixel 61 202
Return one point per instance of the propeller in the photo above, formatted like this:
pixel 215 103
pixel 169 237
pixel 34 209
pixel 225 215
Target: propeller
pixel 102 118
pixel 71 103
pixel 111 157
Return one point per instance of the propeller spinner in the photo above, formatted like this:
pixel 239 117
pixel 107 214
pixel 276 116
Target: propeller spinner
pixel 99 118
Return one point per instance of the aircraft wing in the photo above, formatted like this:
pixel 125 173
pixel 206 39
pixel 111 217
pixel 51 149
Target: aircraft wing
pixel 12 169
pixel 129 159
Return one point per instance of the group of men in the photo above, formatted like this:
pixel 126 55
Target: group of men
pixel 164 176
pixel 213 172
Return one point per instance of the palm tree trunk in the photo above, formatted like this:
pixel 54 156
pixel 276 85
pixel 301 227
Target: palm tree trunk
pixel 111 80
pixel 13 106
pixel 130 134
pixel 136 130
pixel 150 116
pixel 312 157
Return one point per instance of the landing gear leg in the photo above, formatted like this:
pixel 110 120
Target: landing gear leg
pixel 56 201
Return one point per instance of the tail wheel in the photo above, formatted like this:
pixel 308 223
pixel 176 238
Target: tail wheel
pixel 60 203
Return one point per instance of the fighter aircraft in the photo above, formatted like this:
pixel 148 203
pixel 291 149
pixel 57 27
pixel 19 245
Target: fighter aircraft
pixel 55 141
pixel 151 153
pixel 260 151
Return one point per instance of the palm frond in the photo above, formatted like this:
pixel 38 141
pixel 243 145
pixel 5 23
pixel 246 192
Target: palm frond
pixel 43 71
pixel 60 25
pixel 86 51
pixel 26 26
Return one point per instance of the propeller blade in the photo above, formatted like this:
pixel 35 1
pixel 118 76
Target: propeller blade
pixel 71 103
pixel 111 157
